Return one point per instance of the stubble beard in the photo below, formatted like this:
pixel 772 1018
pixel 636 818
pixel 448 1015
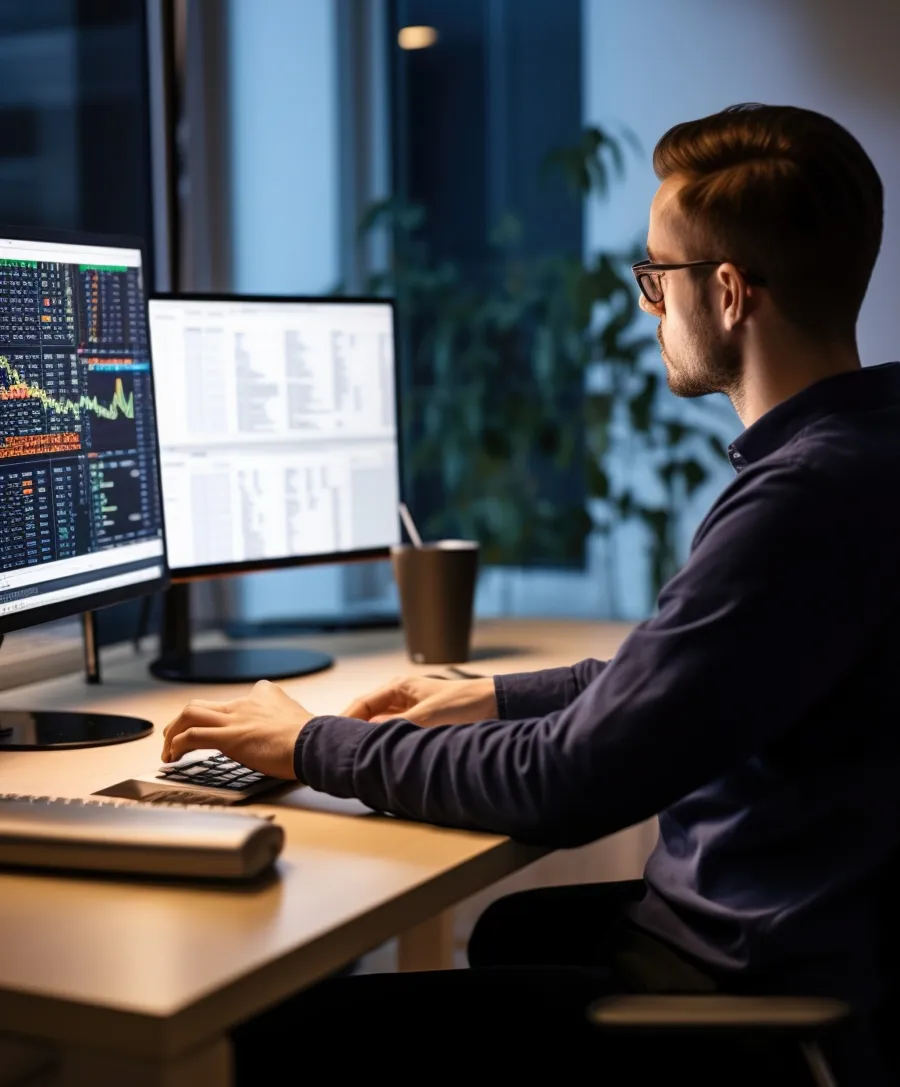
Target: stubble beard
pixel 708 366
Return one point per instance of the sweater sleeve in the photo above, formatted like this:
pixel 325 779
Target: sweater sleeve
pixel 744 644
pixel 530 694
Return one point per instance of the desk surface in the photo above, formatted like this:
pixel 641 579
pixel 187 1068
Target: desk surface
pixel 156 966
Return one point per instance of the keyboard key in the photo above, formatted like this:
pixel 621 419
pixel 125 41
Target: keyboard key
pixel 214 772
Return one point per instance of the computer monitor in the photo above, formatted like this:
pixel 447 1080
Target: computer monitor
pixel 278 439
pixel 80 510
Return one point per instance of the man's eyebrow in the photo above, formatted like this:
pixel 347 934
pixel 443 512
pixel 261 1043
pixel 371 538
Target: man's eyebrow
pixel 650 254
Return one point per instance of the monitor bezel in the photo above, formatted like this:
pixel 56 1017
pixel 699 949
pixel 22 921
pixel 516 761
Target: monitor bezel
pixel 93 601
pixel 180 574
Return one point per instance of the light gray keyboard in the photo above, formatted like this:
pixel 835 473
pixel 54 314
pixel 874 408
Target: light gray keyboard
pixel 161 799
pixel 184 840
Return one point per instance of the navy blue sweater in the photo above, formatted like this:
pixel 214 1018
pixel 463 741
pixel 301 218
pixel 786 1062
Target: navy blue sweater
pixel 758 712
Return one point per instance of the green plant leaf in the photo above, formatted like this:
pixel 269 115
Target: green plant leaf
pixel 548 439
pixel 598 407
pixel 376 214
pixel 632 139
pixel 507 231
pixel 597 480
pixel 675 432
pixel 641 406
pixel 656 519
pixel 668 471
pixel 694 474
pixel 497 364
pixel 598 410
pixel 616 157
pixel 718 446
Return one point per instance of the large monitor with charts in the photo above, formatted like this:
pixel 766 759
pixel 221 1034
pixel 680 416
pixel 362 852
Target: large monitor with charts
pixel 81 523
pixel 278 438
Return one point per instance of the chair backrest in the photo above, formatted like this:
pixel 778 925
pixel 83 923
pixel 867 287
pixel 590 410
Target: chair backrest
pixel 887 1018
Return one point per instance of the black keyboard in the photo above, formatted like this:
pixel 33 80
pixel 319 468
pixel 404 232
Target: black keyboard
pixel 216 772
pixel 201 777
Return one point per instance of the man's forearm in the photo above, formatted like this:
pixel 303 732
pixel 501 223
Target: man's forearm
pixel 535 694
pixel 466 776
pixel 711 679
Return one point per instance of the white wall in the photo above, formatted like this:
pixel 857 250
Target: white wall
pixel 657 62
pixel 653 63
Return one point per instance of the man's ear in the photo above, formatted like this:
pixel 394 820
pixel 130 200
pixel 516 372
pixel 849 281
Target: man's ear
pixel 734 296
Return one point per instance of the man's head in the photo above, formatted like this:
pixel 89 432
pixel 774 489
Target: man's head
pixel 784 208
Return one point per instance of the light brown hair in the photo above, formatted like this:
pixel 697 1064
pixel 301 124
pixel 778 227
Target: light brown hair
pixel 786 193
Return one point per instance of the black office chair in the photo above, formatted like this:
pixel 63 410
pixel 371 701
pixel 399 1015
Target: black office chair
pixel 802 1021
pixel 771 1032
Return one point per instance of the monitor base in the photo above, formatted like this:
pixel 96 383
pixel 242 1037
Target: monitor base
pixel 28 730
pixel 239 665
pixel 312 624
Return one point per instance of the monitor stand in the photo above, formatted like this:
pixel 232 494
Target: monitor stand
pixel 177 661
pixel 42 730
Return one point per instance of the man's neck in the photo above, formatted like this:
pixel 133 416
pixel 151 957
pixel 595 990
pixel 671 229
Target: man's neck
pixel 769 380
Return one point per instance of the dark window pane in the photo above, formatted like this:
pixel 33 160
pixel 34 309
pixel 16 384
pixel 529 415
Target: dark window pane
pixel 73 116
pixel 493 394
pixel 74 147
pixel 21 16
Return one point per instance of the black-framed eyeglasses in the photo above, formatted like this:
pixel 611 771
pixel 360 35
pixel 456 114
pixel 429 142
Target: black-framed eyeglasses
pixel 647 275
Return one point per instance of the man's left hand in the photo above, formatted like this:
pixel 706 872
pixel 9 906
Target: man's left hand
pixel 259 731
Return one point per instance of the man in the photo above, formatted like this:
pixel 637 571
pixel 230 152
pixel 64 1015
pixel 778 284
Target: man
pixel 756 710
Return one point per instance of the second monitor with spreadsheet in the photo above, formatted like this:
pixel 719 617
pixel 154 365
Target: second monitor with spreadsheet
pixel 277 430
pixel 278 433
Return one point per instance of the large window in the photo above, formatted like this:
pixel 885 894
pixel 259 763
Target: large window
pixel 439 154
pixel 73 115
pixel 485 228
pixel 450 132
pixel 284 162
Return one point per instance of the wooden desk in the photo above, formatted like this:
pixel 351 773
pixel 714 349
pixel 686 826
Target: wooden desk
pixel 134 982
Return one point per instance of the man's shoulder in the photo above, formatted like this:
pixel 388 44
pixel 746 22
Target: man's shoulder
pixel 841 449
pixel 856 451
pixel 834 470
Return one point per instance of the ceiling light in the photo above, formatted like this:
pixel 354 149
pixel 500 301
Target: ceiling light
pixel 416 37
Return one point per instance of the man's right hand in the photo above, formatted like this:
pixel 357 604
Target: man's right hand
pixel 427 702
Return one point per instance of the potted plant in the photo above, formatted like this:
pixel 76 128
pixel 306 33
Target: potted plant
pixel 508 441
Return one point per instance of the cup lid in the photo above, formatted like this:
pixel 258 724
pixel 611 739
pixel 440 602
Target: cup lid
pixel 439 545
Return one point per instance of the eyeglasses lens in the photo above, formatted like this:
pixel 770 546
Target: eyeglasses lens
pixel 650 285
